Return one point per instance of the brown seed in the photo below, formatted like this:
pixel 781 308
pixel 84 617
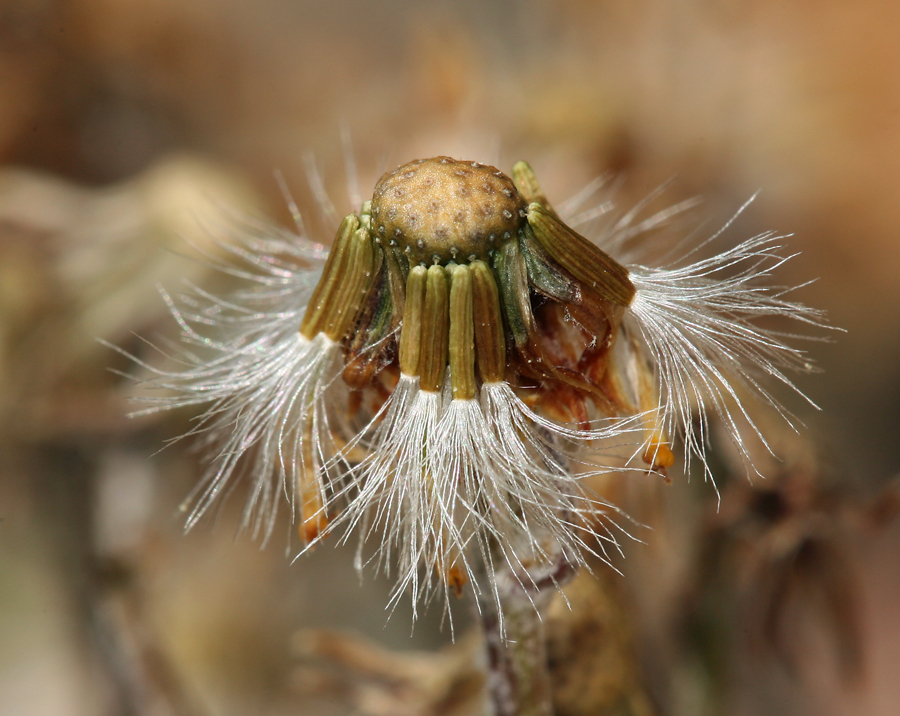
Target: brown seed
pixel 584 260
pixel 411 335
pixel 435 330
pixel 490 343
pixel 322 304
pixel 462 334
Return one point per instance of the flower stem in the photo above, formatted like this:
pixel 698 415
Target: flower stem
pixel 518 680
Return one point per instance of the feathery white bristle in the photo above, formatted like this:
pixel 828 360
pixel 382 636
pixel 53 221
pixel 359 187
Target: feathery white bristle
pixel 697 323
pixel 394 499
pixel 551 462
pixel 447 482
pixel 262 381
pixel 271 411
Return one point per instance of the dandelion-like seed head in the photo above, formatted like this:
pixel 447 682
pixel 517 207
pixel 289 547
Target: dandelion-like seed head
pixel 437 382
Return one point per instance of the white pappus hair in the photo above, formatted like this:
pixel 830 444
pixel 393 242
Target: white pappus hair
pixel 458 483
pixel 262 381
pixel 698 323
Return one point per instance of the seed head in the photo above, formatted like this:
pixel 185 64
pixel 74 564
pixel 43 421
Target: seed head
pixel 435 384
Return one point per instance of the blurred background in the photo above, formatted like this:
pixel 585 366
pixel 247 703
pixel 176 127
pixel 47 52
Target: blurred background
pixel 126 126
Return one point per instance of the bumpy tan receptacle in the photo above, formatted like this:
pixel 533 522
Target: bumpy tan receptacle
pixel 441 210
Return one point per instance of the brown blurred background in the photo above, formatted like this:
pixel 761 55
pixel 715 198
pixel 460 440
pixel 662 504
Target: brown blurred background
pixel 126 126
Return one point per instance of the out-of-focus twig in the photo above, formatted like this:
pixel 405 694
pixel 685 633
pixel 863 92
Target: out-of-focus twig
pixel 146 681
pixel 374 681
